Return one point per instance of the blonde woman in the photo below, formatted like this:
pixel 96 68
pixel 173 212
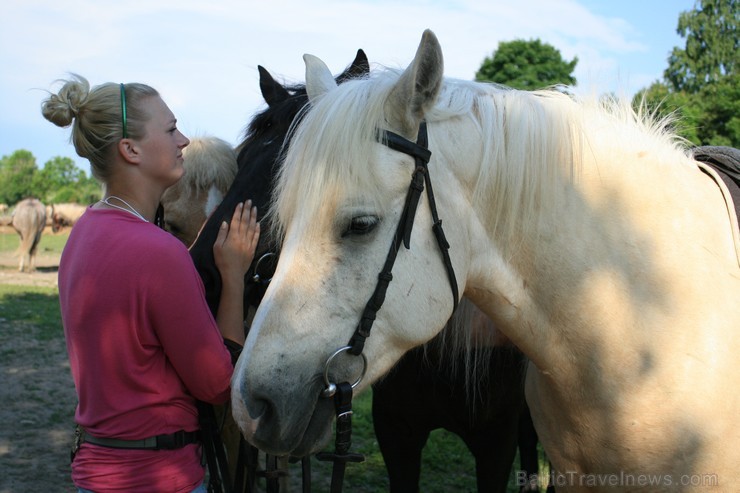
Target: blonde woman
pixel 142 343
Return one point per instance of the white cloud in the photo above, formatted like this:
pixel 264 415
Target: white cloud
pixel 203 56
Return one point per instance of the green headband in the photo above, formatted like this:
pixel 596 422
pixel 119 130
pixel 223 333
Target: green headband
pixel 123 110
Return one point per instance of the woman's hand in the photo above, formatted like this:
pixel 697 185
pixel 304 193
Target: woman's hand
pixel 233 252
pixel 234 248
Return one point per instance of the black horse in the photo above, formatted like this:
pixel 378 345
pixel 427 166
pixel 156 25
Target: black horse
pixel 431 388
pixel 258 155
pixel 416 397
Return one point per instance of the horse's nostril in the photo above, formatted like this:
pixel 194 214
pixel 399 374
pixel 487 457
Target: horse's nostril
pixel 257 408
pixel 256 404
pixel 251 412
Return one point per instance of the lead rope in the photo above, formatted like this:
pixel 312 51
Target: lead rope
pixel 342 392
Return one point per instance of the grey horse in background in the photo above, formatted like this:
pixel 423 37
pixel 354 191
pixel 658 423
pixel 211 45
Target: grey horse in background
pixel 29 219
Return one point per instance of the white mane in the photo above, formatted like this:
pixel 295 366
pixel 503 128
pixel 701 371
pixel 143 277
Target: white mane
pixel 528 139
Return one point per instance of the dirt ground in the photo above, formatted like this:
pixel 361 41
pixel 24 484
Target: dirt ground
pixel 47 265
pixel 37 395
pixel 45 275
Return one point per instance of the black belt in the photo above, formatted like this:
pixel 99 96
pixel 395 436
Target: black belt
pixel 173 441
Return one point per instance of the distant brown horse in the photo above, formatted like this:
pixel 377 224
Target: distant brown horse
pixel 29 219
pixel 64 215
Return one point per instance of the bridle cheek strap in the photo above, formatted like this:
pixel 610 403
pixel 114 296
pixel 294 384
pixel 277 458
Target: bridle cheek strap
pixel 421 154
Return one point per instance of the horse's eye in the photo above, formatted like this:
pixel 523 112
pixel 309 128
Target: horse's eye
pixel 361 225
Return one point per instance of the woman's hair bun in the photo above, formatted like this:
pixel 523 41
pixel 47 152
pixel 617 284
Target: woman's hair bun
pixel 63 107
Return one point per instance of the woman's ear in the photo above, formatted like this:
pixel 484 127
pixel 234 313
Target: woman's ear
pixel 129 151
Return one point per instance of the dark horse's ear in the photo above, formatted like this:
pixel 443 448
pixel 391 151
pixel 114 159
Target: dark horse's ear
pixel 272 91
pixel 359 67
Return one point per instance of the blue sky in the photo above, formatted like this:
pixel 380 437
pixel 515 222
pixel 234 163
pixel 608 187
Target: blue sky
pixel 202 56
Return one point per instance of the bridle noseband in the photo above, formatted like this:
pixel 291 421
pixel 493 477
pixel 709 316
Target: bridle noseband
pixel 342 393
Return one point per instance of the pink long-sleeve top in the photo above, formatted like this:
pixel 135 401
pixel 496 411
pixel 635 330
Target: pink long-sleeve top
pixel 143 346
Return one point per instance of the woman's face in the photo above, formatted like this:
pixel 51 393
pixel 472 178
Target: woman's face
pixel 162 144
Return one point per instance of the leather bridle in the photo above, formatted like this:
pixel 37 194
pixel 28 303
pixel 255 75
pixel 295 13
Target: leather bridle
pixel 342 393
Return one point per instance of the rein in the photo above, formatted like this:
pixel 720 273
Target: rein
pixel 342 392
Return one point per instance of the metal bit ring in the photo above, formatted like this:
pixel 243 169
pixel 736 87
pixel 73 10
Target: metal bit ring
pixel 256 277
pixel 331 388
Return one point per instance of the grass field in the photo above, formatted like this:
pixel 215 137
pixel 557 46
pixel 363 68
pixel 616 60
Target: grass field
pixel 51 244
pixel 32 313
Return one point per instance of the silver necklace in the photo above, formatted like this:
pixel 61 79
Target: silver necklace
pixel 130 209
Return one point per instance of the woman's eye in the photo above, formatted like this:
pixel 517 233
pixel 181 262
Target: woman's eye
pixel 361 225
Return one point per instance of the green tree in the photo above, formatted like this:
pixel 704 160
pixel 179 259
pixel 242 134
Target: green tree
pixel 701 85
pixel 85 191
pixel 527 65
pixel 57 174
pixel 62 181
pixel 720 102
pixel 712 46
pixel 58 181
pixel 16 176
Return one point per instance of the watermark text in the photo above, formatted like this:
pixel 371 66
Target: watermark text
pixel 617 480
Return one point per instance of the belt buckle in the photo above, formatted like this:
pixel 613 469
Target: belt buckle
pixel 170 442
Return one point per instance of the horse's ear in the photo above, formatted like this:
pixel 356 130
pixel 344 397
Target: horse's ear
pixel 358 68
pixel 417 89
pixel 272 91
pixel 318 77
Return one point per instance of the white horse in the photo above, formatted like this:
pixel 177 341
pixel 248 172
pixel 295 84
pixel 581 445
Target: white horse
pixel 583 230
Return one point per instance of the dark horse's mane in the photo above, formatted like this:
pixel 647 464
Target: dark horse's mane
pixel 258 159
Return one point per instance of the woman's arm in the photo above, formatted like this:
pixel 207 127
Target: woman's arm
pixel 233 252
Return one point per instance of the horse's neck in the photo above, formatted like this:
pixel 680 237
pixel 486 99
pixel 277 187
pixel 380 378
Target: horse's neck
pixel 604 248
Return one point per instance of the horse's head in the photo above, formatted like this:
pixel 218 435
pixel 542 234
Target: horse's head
pixel 210 168
pixel 339 200
pixel 257 158
pixel 57 222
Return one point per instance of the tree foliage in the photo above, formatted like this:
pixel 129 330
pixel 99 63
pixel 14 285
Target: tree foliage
pixel 527 65
pixel 17 173
pixel 712 46
pixel 701 85
pixel 58 181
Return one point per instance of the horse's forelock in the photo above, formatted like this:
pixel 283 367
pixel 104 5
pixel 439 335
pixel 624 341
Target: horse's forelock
pixel 327 156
